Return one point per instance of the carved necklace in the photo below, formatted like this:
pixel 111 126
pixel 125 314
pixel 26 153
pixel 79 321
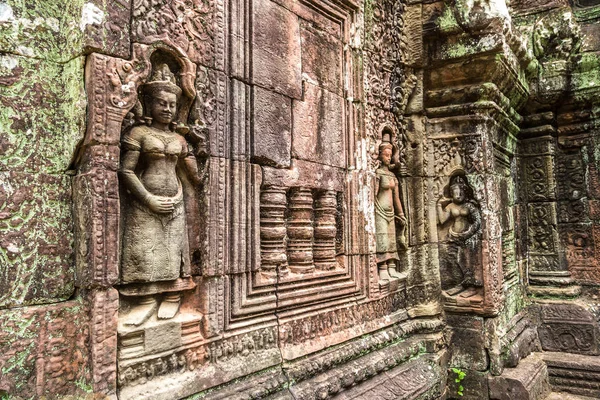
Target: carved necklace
pixel 164 139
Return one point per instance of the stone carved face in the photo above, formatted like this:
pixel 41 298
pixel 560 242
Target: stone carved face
pixel 163 106
pixel 386 156
pixel 458 194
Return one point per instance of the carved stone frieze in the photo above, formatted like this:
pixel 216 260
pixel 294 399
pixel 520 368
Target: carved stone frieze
pixel 302 330
pixel 191 358
pixel 465 152
pixel 568 328
pixel 194 26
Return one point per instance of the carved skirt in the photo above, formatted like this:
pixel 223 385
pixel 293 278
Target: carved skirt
pixel 385 234
pixel 154 245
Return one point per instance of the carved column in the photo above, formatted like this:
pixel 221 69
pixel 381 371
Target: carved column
pixel 325 230
pixel 300 231
pixel 272 231
pixel 547 274
pixel 472 125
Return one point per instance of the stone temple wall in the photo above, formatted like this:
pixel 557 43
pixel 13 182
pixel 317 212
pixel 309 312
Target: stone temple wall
pixel 312 199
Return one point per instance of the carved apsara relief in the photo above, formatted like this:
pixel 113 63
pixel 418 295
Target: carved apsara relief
pixel 390 221
pixel 459 235
pixel 157 165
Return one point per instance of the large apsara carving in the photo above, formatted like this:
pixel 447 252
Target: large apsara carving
pixel 156 161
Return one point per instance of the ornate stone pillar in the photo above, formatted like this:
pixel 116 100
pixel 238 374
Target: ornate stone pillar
pixel 325 230
pixel 300 231
pixel 272 231
pixel 548 273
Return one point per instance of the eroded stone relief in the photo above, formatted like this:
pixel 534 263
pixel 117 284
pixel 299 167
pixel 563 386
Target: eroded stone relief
pixel 299 199
pixel 390 221
pixel 459 222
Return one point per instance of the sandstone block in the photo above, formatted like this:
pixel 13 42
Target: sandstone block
pixel 272 128
pixel 43 351
pixel 276 49
pixel 35 239
pixel 36 137
pixel 319 127
pixel 322 59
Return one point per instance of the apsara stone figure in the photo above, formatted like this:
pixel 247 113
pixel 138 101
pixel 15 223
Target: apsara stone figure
pixel 388 216
pixel 155 159
pixel 460 220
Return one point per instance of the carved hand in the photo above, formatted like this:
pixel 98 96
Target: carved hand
pixel 160 205
pixel 402 220
pixel 444 201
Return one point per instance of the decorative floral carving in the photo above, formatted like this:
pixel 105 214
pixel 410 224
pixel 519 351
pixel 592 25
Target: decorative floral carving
pixel 187 24
pixel 556 36
pixel 464 152
pixel 389 80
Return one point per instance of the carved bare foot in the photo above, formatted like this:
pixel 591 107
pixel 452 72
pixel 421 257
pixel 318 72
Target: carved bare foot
pixel 169 306
pixel 394 273
pixel 141 312
pixel 384 274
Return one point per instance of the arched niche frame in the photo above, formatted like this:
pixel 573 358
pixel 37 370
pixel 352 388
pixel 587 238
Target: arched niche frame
pixel 112 87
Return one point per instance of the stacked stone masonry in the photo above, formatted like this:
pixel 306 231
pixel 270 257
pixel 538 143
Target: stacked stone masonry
pixel 313 199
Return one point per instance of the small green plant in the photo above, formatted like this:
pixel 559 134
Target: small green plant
pixel 460 375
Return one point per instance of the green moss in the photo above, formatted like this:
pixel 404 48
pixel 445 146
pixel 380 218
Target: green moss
pixel 43 113
pixel 18 362
pixel 447 22
pixel 84 386
pixel 45 29
pixel 588 13
pixel 586 77
pixel 458 50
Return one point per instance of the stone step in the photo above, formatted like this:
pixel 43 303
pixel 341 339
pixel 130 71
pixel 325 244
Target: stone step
pixel 527 381
pixel 574 373
pixel 567 396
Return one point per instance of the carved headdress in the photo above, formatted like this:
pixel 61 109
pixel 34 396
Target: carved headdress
pixel 162 79
pixel 387 143
pixel 458 180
